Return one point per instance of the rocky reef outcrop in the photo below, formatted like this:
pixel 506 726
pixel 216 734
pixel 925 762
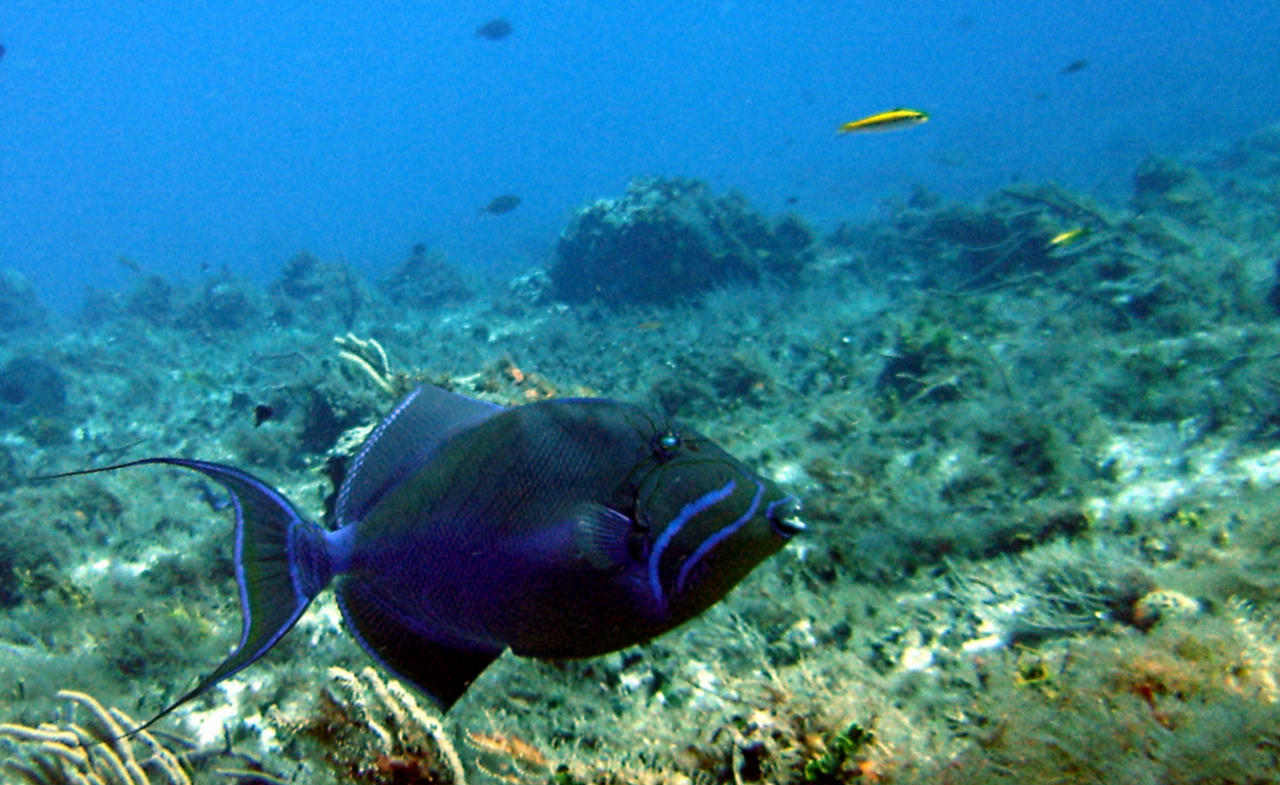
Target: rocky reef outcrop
pixel 19 306
pixel 312 291
pixel 668 239
pixel 33 399
pixel 1163 185
pixel 425 279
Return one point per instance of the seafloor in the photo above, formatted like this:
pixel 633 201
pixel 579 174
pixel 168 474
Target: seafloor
pixel 1040 484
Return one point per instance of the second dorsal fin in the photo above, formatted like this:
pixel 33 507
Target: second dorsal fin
pixel 405 440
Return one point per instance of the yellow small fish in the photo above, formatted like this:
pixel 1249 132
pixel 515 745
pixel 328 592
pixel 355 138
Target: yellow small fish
pixel 891 120
pixel 1068 237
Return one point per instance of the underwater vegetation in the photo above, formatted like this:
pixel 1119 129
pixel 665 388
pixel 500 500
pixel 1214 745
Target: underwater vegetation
pixel 1039 481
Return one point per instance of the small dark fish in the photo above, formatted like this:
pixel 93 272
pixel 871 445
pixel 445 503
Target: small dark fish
pixel 1 51
pixel 1075 66
pixel 561 529
pixel 792 200
pixel 494 29
pixel 262 413
pixel 501 204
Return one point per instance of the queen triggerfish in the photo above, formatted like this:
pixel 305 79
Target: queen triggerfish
pixel 566 528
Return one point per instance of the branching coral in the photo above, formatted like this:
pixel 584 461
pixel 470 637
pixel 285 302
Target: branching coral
pixel 373 730
pixel 96 753
pixel 367 355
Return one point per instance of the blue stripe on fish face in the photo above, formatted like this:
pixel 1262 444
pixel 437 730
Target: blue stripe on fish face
pixel 687 513
pixel 718 537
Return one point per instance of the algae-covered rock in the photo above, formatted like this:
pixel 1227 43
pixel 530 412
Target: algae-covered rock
pixel 670 238
pixel 152 299
pixel 221 303
pixel 33 396
pixel 425 280
pixel 1166 186
pixel 19 305
pixel 317 293
pixel 31 385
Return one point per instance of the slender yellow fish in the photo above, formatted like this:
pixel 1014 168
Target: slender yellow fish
pixel 1069 237
pixel 891 120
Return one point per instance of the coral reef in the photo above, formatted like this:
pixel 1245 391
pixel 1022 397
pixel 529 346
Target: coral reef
pixel 1039 477
pixel 369 359
pixel 668 239
pixel 30 387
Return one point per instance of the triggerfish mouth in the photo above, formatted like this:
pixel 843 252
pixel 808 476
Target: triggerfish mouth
pixel 566 528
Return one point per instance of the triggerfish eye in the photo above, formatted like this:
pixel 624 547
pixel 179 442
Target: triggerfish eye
pixel 666 444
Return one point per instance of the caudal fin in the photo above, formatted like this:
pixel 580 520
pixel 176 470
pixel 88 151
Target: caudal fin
pixel 281 563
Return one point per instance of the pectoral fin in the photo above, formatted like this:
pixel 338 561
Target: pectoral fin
pixel 602 536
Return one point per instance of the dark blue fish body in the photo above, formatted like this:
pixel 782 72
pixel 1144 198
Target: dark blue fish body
pixel 566 528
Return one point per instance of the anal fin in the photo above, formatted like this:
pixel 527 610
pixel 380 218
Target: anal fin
pixel 441 671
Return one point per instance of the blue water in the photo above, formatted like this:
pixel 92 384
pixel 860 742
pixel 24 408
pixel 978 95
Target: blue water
pixel 237 133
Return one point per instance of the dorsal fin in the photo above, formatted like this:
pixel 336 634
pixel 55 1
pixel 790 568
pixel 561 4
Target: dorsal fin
pixel 402 443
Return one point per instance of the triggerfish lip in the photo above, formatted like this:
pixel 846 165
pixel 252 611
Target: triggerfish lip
pixel 784 514
pixel 790 525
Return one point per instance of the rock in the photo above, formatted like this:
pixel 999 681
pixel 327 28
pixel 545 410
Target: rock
pixel 1163 185
pixel 33 398
pixel 425 280
pixel 317 293
pixel 666 239
pixel 19 306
